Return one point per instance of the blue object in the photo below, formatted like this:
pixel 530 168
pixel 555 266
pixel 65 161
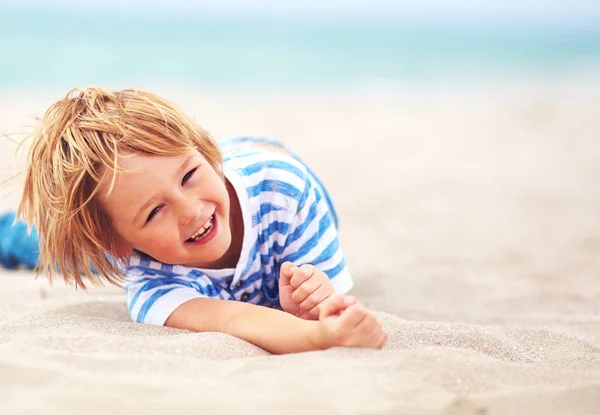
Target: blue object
pixel 17 246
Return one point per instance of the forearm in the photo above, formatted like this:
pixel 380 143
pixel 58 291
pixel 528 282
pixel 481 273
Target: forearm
pixel 275 330
pixel 272 330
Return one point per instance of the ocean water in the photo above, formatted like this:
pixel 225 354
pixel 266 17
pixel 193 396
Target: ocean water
pixel 60 47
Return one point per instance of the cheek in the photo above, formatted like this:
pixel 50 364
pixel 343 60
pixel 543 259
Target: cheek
pixel 161 240
pixel 222 195
pixel 164 238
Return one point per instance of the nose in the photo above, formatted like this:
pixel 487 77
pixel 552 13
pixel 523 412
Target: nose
pixel 188 210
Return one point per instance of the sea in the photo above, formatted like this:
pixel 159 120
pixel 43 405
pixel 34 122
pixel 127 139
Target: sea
pixel 45 45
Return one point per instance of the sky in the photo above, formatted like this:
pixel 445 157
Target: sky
pixel 527 9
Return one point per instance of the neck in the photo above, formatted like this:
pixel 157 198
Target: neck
pixel 236 224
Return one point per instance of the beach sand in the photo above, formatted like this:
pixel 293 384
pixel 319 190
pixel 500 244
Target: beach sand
pixel 471 222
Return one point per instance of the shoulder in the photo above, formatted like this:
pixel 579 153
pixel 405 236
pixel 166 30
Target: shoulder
pixel 255 161
pixel 140 266
pixel 265 173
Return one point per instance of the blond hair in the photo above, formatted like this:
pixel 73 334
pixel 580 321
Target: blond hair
pixel 75 148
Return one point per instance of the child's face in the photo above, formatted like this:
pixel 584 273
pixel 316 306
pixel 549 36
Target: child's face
pixel 174 208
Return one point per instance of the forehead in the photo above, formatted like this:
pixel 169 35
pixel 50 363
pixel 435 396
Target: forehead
pixel 138 172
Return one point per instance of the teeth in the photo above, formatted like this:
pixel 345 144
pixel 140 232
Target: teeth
pixel 203 229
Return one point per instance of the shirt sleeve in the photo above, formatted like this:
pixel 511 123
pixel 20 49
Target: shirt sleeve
pixel 153 296
pixel 313 237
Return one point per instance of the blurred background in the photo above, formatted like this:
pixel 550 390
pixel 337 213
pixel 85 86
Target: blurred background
pixel 238 45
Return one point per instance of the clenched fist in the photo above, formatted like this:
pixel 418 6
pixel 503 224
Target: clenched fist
pixel 302 289
pixel 347 323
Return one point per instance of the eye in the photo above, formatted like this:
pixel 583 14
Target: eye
pixel 188 175
pixel 154 212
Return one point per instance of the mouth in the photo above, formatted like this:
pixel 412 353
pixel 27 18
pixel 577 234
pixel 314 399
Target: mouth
pixel 204 231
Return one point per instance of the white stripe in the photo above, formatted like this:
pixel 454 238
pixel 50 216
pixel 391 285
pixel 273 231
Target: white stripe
pixel 166 304
pixel 323 242
pixel 312 229
pixel 342 283
pixel 146 294
pixel 275 198
pixel 278 174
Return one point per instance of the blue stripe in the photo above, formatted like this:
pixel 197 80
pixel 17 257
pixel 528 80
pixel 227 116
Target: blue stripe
pixel 274 186
pixel 253 295
pixel 334 272
pixel 327 197
pixel 265 259
pixel 251 257
pixel 151 276
pixel 265 209
pixel 274 164
pixel 237 154
pixel 150 302
pixel 305 194
pixel 152 272
pixel 299 231
pixel 275 248
pixel 152 283
pixel 218 285
pixel 133 301
pixel 276 226
pixel 330 251
pixel 270 293
pixel 196 273
pixel 263 301
pixel 312 242
pixel 249 281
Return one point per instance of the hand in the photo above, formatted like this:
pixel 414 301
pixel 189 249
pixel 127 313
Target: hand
pixel 302 289
pixel 345 322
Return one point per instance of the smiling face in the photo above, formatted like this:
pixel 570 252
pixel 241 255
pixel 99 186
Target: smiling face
pixel 174 208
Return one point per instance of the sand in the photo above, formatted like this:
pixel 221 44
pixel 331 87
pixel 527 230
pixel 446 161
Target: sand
pixel 471 223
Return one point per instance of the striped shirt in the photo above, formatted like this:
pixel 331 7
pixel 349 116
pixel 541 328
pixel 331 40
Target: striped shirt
pixel 288 216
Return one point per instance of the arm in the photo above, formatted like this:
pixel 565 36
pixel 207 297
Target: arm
pixel 343 322
pixel 180 302
pixel 272 330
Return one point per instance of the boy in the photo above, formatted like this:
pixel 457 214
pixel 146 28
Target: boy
pixel 124 184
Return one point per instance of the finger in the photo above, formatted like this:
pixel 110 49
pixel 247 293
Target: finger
pixel 328 291
pixel 366 329
pixel 383 336
pixel 353 316
pixel 315 298
pixel 313 313
pixel 372 329
pixel 348 301
pixel 285 274
pixel 305 290
pixel 286 270
pixel 333 304
pixel 304 273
